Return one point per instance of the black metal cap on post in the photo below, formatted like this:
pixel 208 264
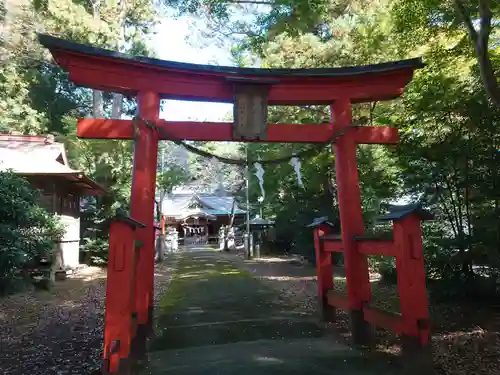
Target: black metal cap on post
pixel 320 220
pixel 125 218
pixel 259 224
pixel 398 212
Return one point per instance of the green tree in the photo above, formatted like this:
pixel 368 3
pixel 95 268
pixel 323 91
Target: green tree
pixel 36 96
pixel 478 21
pixel 27 230
pixel 166 181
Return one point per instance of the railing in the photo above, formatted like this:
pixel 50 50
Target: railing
pixel 413 321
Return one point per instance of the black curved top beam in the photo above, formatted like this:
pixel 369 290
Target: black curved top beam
pixel 54 43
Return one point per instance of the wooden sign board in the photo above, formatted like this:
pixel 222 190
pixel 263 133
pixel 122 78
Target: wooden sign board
pixel 250 111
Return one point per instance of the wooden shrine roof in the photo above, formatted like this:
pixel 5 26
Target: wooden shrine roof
pixel 42 156
pixel 114 71
pixel 178 205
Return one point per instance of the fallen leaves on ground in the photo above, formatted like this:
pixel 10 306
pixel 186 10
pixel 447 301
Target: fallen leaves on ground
pixel 60 331
pixel 465 339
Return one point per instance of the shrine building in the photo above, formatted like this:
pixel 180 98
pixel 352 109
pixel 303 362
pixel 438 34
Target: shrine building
pixel 198 216
pixel 44 163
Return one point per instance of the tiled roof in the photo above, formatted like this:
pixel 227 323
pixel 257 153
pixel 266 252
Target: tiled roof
pixel 39 155
pixel 32 155
pixel 177 205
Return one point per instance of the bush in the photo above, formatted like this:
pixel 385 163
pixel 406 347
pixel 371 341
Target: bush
pixel 386 267
pixel 95 252
pixel 28 231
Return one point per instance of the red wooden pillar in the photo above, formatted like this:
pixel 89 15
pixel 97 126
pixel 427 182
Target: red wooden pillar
pixel 119 324
pixel 324 271
pixel 411 281
pixel 142 209
pixel 351 221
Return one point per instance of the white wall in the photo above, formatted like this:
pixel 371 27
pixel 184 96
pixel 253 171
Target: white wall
pixel 71 241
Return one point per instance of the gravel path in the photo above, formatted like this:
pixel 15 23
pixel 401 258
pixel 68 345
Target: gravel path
pixel 60 331
pixel 294 281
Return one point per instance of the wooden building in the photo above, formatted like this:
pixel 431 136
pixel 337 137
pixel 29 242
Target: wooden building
pixel 198 217
pixel 44 163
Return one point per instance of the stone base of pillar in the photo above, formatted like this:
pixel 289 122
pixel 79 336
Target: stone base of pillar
pixel 416 358
pixel 362 331
pixel 327 311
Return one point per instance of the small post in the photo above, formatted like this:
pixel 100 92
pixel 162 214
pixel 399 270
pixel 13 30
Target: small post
pixel 119 316
pixel 256 244
pixel 324 268
pixel 160 244
pixel 412 286
pixel 162 224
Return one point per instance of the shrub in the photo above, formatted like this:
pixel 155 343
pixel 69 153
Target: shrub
pixel 28 231
pixel 95 252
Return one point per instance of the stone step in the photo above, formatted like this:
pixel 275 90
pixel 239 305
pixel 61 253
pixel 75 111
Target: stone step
pixel 217 333
pixel 309 356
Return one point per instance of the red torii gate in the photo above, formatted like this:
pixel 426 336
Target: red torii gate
pixel 151 80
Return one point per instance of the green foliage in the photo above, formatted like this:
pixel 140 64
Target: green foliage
pixel 361 36
pixel 447 157
pixel 449 145
pixel 468 28
pixel 28 232
pixel 36 96
pixel 171 178
pixel 417 20
pixel 95 252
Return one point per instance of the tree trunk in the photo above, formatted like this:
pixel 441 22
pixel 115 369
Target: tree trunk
pixel 97 100
pixel 116 108
pixel 480 40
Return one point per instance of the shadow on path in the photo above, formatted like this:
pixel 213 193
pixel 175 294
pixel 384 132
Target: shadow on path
pixel 218 319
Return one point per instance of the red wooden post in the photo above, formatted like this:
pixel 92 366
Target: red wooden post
pixel 324 271
pixel 118 329
pixel 142 209
pixel 411 280
pixel 351 218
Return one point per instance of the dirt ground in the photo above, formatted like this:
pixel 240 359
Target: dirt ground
pixel 59 331
pixel 42 331
pixel 465 337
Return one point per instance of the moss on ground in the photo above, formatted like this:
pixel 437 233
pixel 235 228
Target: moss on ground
pixel 210 301
pixel 191 269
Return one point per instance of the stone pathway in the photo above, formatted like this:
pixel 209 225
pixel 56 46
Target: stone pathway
pixel 216 318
